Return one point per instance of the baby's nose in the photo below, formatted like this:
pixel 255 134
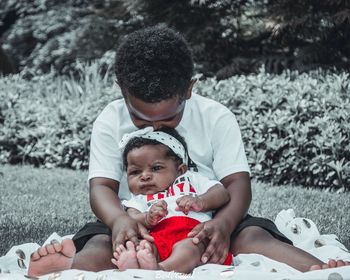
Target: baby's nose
pixel 146 175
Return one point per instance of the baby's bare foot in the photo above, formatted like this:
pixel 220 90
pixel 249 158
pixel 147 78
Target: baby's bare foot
pixel 125 258
pixel 146 257
pixel 52 258
pixel 330 264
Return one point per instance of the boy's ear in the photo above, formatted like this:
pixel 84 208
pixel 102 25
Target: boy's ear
pixel 182 168
pixel 189 91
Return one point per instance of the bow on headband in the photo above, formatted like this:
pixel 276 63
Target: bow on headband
pixel 162 137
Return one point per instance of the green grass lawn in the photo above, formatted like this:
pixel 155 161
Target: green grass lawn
pixel 36 202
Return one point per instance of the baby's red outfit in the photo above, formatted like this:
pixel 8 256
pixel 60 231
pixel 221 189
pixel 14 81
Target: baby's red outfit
pixel 171 230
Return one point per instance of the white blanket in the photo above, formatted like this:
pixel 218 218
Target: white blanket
pixel 303 232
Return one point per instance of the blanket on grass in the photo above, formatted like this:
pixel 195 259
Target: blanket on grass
pixel 301 231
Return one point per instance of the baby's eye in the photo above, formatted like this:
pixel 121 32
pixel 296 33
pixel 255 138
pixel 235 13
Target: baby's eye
pixel 133 172
pixel 157 168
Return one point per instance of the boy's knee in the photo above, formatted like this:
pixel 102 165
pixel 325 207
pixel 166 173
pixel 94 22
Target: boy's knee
pixel 96 254
pixel 249 238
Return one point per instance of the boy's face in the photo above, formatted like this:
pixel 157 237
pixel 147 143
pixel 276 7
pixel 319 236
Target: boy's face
pixel 151 170
pixel 165 113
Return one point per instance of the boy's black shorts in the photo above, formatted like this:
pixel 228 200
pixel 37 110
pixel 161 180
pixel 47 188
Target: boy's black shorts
pixel 94 228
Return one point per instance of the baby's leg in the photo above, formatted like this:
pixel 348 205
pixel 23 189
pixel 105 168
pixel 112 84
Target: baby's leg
pixel 185 257
pixel 125 258
pixel 147 255
pixel 51 258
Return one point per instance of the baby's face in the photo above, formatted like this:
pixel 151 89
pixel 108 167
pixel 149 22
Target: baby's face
pixel 150 170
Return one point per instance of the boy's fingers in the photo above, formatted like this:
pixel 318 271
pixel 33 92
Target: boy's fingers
pixel 224 256
pixel 195 230
pixel 145 234
pixel 120 239
pixel 209 254
pixel 201 236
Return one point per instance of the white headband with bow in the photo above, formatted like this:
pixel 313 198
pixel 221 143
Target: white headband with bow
pixel 162 137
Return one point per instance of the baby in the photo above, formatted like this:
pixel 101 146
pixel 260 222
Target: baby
pixel 166 198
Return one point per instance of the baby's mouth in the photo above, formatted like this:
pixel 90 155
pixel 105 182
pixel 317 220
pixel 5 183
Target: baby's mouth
pixel 149 187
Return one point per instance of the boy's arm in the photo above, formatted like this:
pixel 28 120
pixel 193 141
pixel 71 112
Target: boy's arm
pixel 219 230
pixel 107 207
pixel 214 198
pixel 138 216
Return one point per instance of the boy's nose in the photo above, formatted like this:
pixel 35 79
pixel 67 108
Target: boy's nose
pixel 157 125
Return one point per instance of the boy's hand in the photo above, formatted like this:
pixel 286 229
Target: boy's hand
pixel 219 240
pixel 157 212
pixel 126 228
pixel 187 202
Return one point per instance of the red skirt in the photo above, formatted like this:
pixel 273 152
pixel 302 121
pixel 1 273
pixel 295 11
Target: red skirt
pixel 171 230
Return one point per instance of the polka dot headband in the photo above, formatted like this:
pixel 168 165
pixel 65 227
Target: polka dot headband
pixel 162 137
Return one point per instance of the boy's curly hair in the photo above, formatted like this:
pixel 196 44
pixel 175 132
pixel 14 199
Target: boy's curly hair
pixel 154 64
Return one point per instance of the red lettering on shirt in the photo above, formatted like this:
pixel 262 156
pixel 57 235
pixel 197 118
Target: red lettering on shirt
pixel 181 186
pixel 160 195
pixel 150 197
pixel 192 190
pixel 171 191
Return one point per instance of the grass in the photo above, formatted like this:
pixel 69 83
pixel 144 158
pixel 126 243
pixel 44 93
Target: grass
pixel 36 202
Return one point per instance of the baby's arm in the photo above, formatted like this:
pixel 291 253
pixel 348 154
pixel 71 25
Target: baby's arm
pixel 150 218
pixel 216 197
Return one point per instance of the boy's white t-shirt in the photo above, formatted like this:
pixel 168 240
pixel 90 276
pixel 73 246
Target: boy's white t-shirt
pixel 210 130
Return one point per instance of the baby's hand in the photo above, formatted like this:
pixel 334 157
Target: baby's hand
pixel 157 212
pixel 187 202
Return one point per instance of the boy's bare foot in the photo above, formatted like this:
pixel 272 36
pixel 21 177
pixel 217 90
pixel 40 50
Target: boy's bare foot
pixel 146 257
pixel 330 264
pixel 52 258
pixel 125 258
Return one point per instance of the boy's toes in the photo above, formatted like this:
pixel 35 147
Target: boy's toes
pixel 35 256
pixel 42 251
pixel 56 245
pixel 50 249
pixel 340 263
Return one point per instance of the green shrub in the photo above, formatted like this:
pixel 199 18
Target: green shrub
pixel 47 120
pixel 295 127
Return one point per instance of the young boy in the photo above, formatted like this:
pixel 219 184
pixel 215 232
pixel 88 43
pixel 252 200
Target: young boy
pixel 154 70
pixel 167 199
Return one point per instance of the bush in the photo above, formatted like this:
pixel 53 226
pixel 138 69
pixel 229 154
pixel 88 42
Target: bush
pixel 47 121
pixel 295 126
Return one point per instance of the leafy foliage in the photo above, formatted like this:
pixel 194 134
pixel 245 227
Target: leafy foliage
pixel 295 126
pixel 228 37
pixel 314 32
pixel 47 121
